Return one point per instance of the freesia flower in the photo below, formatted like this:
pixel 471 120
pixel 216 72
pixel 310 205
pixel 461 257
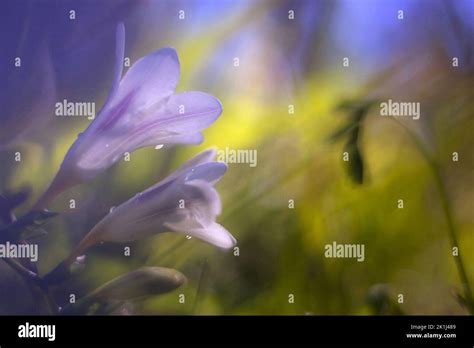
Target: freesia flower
pixel 184 202
pixel 141 110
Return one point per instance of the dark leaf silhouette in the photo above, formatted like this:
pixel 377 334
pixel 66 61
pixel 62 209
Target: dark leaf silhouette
pixel 28 226
pixel 355 165
pixel 358 110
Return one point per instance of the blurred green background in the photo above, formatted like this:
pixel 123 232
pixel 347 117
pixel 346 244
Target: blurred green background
pixel 281 250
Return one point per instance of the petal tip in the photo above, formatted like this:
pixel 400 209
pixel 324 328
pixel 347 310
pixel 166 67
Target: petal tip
pixel 209 153
pixel 230 243
pixel 222 166
pixel 120 28
pixel 169 51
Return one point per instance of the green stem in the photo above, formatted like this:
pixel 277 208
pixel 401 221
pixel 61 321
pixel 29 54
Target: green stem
pixel 469 300
pixel 200 287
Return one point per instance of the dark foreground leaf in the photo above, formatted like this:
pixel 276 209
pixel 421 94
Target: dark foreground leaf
pixel 27 227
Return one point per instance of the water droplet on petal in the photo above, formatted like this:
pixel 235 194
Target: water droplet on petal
pixel 106 145
pixel 160 146
pixel 111 209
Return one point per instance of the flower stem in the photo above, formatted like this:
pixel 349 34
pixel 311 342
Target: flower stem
pixel 39 288
pixel 21 270
pixel 47 197
pixel 468 297
pixel 454 241
pixel 61 182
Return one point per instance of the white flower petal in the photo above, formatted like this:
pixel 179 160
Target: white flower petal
pixel 151 78
pixel 214 234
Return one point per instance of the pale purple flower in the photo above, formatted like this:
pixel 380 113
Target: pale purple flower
pixel 184 202
pixel 141 110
